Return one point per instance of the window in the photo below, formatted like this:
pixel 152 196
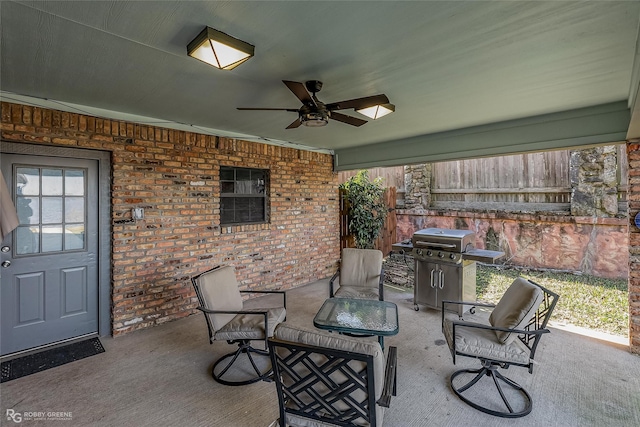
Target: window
pixel 51 205
pixel 243 195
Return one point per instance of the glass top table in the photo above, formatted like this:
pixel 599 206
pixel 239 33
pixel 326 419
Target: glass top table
pixel 358 316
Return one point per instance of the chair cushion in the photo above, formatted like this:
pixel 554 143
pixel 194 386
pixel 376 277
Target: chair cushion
pixel 297 421
pixel 516 308
pixel 476 342
pixel 360 267
pixel 357 292
pixel 335 341
pixel 250 326
pixel 219 289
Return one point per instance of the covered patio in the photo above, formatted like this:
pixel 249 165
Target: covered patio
pixel 506 82
pixel 161 376
pixel 107 87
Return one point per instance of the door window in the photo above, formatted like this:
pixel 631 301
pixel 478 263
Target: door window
pixel 51 205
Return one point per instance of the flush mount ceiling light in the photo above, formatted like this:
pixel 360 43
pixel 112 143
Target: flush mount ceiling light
pixel 377 111
pixel 219 49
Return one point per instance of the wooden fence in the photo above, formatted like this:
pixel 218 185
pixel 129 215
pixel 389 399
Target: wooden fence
pixel 391 176
pixel 347 239
pixel 531 181
pixel 540 179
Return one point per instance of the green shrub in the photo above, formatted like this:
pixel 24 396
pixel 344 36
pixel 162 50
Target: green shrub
pixel 367 211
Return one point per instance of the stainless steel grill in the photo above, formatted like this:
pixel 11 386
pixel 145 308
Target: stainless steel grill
pixel 445 266
pixel 442 245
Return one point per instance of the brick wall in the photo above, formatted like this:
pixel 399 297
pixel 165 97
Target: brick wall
pixel 633 196
pixel 173 175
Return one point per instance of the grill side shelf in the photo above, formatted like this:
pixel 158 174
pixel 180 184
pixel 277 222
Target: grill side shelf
pixel 483 255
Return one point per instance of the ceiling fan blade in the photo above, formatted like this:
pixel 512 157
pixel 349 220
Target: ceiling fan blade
pixel 358 103
pixel 300 92
pixel 295 124
pixel 268 109
pixel 354 121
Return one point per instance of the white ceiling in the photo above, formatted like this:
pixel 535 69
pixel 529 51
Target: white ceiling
pixel 445 65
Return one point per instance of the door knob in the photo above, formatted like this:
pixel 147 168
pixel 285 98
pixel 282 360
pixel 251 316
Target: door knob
pixel 5 264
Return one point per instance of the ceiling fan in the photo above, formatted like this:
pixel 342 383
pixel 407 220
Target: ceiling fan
pixel 315 113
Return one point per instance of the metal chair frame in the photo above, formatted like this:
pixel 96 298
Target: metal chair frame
pixel 244 345
pixel 529 336
pixel 295 397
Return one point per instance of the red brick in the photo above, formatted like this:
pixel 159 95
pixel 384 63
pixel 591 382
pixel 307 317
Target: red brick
pixel 181 235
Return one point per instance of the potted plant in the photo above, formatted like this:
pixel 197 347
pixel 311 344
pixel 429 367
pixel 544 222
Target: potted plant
pixel 367 209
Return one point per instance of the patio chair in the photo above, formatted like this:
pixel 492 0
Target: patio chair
pixel 509 337
pixel 361 275
pixel 227 319
pixel 327 379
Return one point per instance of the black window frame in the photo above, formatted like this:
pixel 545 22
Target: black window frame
pixel 231 178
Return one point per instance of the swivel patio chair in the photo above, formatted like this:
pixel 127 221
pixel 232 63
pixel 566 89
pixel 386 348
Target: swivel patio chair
pixel 509 337
pixel 326 379
pixel 361 275
pixel 228 319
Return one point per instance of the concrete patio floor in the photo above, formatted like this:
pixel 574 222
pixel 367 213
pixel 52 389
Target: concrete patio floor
pixel 161 377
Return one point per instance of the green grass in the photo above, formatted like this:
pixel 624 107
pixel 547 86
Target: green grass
pixel 585 301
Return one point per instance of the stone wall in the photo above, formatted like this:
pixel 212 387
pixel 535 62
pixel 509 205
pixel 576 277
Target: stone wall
pixel 174 176
pixel 594 246
pixel 594 182
pixel 417 181
pixel 399 269
pixel 577 240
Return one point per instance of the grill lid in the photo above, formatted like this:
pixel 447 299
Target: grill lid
pixel 444 239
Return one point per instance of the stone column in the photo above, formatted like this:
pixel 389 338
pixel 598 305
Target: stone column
pixel 417 182
pixel 633 196
pixel 594 183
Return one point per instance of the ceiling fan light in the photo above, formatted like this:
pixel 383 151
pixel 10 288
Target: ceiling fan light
pixel 314 120
pixel 377 111
pixel 315 123
pixel 219 49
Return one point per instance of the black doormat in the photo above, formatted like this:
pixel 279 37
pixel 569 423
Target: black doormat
pixel 32 363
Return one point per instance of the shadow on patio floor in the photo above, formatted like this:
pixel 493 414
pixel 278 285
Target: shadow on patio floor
pixel 161 377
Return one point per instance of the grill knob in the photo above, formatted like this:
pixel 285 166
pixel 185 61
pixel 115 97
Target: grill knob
pixel 452 256
pixel 440 255
pixel 429 253
pixel 419 251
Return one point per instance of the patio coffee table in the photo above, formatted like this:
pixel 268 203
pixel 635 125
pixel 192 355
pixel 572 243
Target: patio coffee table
pixel 358 316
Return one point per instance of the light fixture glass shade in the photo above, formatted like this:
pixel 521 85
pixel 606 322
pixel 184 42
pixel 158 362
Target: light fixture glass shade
pixel 377 111
pixel 219 49
pixel 314 120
